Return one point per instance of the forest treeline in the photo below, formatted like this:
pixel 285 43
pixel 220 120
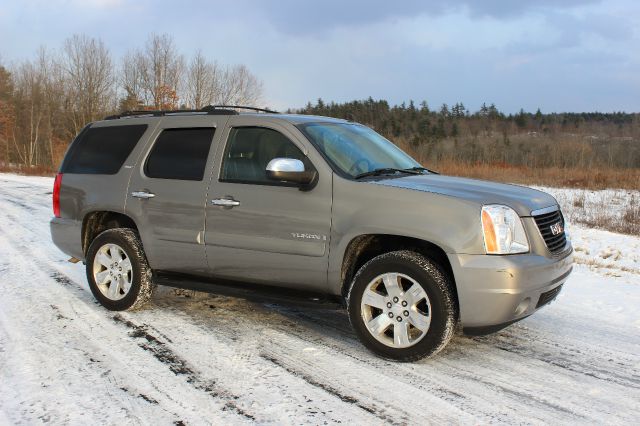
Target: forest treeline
pixel 46 100
pixel 454 134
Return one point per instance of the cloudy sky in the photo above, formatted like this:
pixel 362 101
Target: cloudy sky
pixel 564 55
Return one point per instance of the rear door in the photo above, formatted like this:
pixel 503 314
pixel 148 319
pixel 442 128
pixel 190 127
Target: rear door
pixel 274 232
pixel 167 192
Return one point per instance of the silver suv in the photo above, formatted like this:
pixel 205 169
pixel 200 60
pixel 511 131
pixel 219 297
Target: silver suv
pixel 311 204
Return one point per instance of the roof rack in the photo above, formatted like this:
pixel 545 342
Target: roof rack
pixel 213 107
pixel 208 110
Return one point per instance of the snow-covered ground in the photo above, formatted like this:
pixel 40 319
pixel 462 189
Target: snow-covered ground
pixel 615 254
pixel 610 209
pixel 199 359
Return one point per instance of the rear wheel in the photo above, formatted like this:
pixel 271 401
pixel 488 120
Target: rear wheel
pixel 117 270
pixel 402 307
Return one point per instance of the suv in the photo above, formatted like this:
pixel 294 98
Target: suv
pixel 306 203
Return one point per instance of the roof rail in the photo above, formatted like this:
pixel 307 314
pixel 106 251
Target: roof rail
pixel 208 110
pixel 215 107
pixel 163 112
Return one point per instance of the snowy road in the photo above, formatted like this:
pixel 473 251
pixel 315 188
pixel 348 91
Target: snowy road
pixel 199 359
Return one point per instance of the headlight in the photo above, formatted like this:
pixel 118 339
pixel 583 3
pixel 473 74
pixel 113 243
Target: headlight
pixel 503 231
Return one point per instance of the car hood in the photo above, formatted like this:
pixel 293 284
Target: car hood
pixel 522 199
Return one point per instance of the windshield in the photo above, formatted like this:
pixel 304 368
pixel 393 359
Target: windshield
pixel 355 149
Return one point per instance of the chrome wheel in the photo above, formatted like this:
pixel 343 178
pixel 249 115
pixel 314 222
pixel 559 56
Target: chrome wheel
pixel 396 310
pixel 112 271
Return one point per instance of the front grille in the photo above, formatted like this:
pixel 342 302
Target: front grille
pixel 548 296
pixel 555 243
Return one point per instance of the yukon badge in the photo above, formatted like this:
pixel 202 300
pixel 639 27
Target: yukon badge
pixel 303 236
pixel 556 228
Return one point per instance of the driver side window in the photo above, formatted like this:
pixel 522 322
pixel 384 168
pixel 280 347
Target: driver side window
pixel 250 149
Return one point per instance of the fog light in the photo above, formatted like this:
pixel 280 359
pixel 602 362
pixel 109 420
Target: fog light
pixel 523 306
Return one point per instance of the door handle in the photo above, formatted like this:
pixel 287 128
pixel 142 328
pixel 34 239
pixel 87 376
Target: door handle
pixel 225 202
pixel 142 194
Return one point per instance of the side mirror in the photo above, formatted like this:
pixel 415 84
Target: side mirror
pixel 290 170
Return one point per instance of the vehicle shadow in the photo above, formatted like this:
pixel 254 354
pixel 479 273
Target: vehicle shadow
pixel 324 324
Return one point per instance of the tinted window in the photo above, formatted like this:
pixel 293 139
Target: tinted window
pixel 250 149
pixel 180 154
pixel 102 150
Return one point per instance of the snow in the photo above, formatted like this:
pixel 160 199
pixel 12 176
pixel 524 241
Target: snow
pixel 207 359
pixel 615 254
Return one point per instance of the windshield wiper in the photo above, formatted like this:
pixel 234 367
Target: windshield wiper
pixel 386 171
pixel 423 169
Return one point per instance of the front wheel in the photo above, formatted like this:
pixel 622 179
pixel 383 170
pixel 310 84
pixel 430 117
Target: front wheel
pixel 402 307
pixel 117 270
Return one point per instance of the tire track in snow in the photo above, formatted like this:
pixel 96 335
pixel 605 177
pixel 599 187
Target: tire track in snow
pixel 326 373
pixel 572 360
pixel 517 340
pixel 72 342
pixel 179 366
pixel 153 345
pixel 333 391
pixel 418 380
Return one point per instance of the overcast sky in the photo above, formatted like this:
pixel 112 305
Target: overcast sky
pixel 571 55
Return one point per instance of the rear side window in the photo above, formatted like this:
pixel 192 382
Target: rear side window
pixel 180 154
pixel 102 150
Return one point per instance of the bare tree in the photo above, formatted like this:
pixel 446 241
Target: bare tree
pixel 131 81
pixel 238 86
pixel 46 100
pixel 89 74
pixel 32 130
pixel 208 83
pixel 202 82
pixel 161 69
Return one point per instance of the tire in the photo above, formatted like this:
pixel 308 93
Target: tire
pixel 407 323
pixel 117 284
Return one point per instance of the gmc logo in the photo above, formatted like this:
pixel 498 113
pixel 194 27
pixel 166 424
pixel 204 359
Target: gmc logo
pixel 556 228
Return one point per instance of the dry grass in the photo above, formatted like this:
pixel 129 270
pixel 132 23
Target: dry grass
pixel 595 263
pixel 629 223
pixel 615 210
pixel 578 202
pixel 596 178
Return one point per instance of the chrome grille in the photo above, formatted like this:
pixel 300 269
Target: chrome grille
pixel 545 222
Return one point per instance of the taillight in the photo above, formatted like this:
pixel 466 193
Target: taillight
pixel 56 195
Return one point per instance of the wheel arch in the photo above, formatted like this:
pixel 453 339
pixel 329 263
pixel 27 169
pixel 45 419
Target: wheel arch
pixel 365 247
pixel 99 221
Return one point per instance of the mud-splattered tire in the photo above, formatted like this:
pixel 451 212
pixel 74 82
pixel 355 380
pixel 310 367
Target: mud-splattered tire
pixel 402 307
pixel 117 270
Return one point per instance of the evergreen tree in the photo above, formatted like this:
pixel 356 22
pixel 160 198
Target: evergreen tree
pixel 521 119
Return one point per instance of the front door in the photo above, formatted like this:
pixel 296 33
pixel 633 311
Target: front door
pixel 260 230
pixel 167 192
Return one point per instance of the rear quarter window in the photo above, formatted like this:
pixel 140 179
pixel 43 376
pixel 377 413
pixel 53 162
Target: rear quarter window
pixel 102 150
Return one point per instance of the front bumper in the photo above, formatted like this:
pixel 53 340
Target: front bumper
pixel 496 291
